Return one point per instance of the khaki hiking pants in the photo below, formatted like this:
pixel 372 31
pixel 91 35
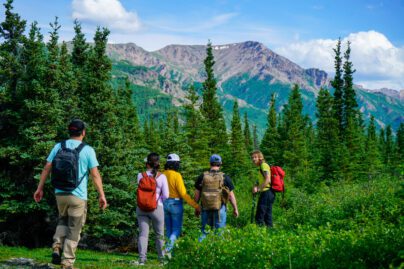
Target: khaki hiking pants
pixel 72 216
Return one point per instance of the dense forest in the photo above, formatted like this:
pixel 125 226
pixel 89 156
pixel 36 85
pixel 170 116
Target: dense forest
pixel 343 205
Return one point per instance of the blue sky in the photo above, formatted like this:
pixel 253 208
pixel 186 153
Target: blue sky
pixel 303 31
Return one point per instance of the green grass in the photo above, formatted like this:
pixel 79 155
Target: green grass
pixel 85 258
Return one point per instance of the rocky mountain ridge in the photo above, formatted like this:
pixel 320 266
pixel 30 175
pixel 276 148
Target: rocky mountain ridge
pixel 247 72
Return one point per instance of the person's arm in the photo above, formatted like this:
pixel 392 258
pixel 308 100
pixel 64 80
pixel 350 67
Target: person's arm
pixel 44 175
pixel 164 191
pixel 197 196
pixel 95 175
pixel 182 191
pixel 232 199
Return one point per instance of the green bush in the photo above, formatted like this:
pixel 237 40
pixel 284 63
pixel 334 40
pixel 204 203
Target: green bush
pixel 347 225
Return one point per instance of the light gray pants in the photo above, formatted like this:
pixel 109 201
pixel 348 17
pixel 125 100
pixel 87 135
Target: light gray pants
pixel 157 219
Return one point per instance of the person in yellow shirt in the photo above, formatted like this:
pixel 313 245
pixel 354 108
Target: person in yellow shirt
pixel 267 195
pixel 173 206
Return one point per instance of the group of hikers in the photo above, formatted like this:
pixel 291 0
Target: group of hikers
pixel 160 196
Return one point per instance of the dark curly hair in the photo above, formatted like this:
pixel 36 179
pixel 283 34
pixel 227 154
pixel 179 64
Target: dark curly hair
pixel 172 165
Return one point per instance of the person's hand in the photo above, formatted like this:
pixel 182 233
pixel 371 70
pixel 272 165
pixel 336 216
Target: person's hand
pixel 255 189
pixel 38 195
pixel 103 202
pixel 235 212
pixel 198 211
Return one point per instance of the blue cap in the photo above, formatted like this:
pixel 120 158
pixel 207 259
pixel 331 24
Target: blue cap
pixel 215 158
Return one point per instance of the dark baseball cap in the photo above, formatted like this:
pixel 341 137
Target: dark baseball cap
pixel 76 125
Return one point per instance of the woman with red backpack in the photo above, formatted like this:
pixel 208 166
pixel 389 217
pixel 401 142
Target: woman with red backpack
pixel 151 193
pixel 266 199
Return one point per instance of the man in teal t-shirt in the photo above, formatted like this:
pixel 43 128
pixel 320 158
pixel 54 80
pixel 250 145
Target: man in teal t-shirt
pixel 72 205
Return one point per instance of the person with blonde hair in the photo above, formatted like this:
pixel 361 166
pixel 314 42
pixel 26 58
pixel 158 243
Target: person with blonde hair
pixel 266 199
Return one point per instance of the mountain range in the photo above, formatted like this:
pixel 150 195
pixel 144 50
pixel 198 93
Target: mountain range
pixel 248 72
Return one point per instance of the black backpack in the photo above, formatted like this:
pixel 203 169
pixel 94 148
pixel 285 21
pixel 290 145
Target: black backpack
pixel 65 168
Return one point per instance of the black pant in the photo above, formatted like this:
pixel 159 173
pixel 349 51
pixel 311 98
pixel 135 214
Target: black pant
pixel 264 208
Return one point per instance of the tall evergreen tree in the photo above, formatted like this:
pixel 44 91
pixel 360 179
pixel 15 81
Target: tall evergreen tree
pixel 80 47
pixel 294 154
pixel 372 156
pixel 400 147
pixel 351 112
pixel 327 136
pixel 353 132
pixel 240 162
pixel 247 135
pixel 36 115
pixel 388 147
pixel 12 37
pixel 196 132
pixel 270 142
pixel 255 138
pixel 212 110
pixel 337 83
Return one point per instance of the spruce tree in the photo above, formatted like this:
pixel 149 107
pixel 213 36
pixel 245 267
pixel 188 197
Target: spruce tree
pixel 80 47
pixel 327 137
pixel 212 110
pixel 351 112
pixel 337 84
pixel 240 163
pixel 35 113
pixel 295 155
pixel 255 138
pixel 388 147
pixel 400 148
pixel 247 135
pixel 12 37
pixel 196 133
pixel 270 142
pixel 372 156
pixel 353 132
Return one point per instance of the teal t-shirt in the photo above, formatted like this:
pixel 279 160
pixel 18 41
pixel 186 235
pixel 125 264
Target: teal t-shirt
pixel 87 161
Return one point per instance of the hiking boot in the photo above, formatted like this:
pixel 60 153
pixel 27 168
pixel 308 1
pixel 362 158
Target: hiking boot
pixel 56 259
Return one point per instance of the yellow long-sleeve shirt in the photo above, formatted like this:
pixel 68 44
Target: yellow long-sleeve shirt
pixel 177 188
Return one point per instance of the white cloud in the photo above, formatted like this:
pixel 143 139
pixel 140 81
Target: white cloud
pixel 107 13
pixel 376 60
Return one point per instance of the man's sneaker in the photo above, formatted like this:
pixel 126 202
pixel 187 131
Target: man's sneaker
pixel 56 259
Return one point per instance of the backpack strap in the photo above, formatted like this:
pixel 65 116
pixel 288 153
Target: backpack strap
pixel 144 175
pixel 80 147
pixel 63 144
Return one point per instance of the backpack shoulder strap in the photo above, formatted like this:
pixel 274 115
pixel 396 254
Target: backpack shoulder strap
pixel 221 176
pixel 63 144
pixel 80 147
pixel 144 175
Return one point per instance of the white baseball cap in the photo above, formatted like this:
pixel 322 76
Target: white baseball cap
pixel 173 157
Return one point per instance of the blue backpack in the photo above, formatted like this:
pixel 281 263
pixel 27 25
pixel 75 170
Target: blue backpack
pixel 65 168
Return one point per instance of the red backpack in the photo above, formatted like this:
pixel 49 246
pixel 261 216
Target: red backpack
pixel 277 182
pixel 146 192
